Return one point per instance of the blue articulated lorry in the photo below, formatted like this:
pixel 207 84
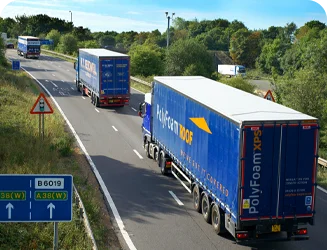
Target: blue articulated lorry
pixel 249 163
pixel 29 47
pixel 104 76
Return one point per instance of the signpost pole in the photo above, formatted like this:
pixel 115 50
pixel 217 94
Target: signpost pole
pixel 55 236
pixel 43 126
pixel 40 125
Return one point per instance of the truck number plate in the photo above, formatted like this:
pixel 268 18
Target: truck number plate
pixel 275 228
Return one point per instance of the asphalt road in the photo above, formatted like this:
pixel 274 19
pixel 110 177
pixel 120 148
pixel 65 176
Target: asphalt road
pixel 152 217
pixel 263 85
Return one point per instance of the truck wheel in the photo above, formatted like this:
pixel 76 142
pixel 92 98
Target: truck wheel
pixel 197 198
pixel 217 219
pixel 83 92
pixel 96 101
pixel 206 208
pixel 77 86
pixel 92 99
pixel 147 148
pixel 162 164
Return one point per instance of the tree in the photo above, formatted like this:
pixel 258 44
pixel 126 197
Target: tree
pixel 239 83
pixel 306 92
pixel 107 40
pixel 271 56
pixel 55 36
pixel 238 46
pixel 3 60
pixel 184 53
pixel 146 60
pixel 68 44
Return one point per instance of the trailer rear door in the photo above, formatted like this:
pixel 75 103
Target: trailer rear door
pixel 115 77
pixel 278 171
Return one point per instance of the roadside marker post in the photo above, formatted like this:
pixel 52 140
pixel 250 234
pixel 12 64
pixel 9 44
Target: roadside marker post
pixel 41 107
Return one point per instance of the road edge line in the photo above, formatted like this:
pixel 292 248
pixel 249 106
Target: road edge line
pixel 112 205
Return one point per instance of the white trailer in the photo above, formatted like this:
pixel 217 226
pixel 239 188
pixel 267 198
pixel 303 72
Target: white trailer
pixel 231 70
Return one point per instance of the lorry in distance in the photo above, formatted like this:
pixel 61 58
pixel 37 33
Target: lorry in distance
pixel 4 38
pixel 104 76
pixel 29 47
pixel 249 163
pixel 231 70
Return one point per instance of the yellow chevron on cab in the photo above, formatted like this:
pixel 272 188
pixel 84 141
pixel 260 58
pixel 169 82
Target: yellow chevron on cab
pixel 202 124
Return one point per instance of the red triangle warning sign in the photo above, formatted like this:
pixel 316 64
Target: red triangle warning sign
pixel 41 106
pixel 269 96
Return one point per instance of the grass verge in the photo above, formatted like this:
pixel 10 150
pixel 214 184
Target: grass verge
pixel 141 87
pixel 322 177
pixel 43 52
pixel 23 152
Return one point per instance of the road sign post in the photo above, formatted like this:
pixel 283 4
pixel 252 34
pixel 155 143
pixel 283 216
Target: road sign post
pixel 37 198
pixel 41 107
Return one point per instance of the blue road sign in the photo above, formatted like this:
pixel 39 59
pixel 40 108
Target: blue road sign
pixel 46 41
pixel 36 198
pixel 16 65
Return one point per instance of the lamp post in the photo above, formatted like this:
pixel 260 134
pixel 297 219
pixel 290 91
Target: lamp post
pixel 71 16
pixel 168 17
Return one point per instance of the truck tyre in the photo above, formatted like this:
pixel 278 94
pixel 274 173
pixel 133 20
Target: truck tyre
pixel 162 163
pixel 77 86
pixel 197 198
pixel 96 101
pixel 217 219
pixel 206 208
pixel 93 99
pixel 83 91
pixel 148 150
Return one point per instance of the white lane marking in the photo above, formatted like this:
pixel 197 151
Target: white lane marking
pixel 97 110
pixel 53 74
pixel 67 69
pixel 62 80
pixel 138 154
pixel 54 84
pixel 112 205
pixel 72 88
pixel 115 128
pixel 47 80
pixel 38 66
pixel 134 109
pixel 176 198
pixel 83 97
pixel 322 189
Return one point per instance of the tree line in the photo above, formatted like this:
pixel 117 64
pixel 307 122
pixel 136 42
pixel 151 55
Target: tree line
pixel 293 58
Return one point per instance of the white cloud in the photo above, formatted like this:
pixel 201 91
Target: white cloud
pixel 3 4
pixel 134 13
pixel 93 21
pixel 42 3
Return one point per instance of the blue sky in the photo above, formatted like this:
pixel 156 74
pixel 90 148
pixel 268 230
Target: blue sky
pixel 148 15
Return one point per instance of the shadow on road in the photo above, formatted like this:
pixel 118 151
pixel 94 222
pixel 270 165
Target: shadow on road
pixel 146 201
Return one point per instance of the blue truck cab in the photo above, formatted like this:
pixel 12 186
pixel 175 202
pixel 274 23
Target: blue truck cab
pixel 249 163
